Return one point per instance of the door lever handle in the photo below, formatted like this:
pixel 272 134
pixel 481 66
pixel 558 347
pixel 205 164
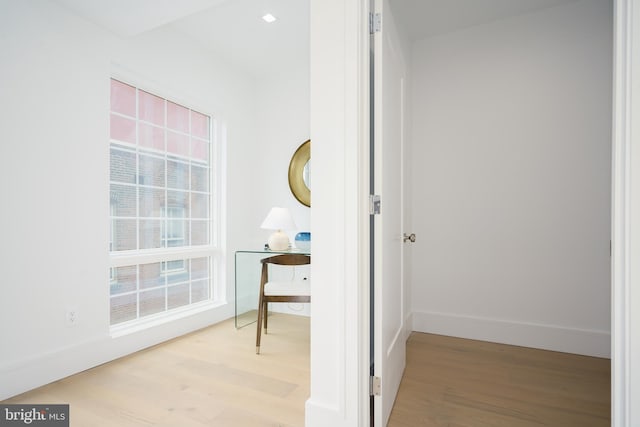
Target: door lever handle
pixel 409 237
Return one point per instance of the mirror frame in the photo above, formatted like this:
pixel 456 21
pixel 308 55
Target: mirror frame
pixel 296 173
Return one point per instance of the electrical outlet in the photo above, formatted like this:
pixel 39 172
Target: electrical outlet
pixel 72 317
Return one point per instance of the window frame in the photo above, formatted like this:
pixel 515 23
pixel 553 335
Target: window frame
pixel 215 219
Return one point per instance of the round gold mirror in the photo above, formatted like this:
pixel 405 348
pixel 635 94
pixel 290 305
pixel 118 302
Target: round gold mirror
pixel 300 173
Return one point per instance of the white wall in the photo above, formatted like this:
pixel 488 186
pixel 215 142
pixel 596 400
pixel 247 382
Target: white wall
pixel 512 153
pixel 54 163
pixel 260 180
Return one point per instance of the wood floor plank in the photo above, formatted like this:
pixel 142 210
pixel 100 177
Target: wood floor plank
pixel 457 382
pixel 211 377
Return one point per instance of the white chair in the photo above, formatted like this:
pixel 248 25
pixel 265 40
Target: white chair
pixel 280 291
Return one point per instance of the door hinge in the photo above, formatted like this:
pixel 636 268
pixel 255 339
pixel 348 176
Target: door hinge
pixel 375 23
pixel 375 386
pixel 374 204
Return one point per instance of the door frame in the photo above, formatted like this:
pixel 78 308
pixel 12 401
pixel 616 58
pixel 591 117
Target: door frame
pixel 625 383
pixel 340 130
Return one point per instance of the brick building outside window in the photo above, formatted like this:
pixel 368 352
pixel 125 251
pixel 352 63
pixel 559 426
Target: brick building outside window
pixel 161 202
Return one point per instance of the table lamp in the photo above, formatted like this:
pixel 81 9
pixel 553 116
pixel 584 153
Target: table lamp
pixel 279 219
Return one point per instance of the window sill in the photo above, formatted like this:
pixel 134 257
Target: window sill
pixel 148 322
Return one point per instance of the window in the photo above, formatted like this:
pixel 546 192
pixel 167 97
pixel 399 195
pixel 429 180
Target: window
pixel 161 201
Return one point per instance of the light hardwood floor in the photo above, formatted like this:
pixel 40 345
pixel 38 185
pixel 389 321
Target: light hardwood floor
pixel 211 377
pixel 456 382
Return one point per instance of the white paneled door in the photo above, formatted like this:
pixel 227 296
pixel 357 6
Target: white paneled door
pixel 388 311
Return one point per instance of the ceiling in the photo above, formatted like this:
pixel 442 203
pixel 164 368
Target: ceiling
pixel 128 18
pixel 234 29
pixel 426 18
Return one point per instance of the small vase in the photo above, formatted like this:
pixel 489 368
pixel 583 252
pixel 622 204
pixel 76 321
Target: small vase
pixel 303 241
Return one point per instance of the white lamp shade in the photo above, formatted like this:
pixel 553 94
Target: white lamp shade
pixel 279 219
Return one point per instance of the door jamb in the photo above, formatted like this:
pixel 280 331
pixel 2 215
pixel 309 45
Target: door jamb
pixel 625 201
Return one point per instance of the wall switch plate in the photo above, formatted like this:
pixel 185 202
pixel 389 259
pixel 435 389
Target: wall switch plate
pixel 71 317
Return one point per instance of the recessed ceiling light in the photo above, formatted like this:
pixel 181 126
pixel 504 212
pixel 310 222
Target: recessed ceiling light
pixel 269 18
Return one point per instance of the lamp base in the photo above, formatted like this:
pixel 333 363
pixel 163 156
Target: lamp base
pixel 278 241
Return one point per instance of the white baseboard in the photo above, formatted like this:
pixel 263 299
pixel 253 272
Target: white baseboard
pixel 21 376
pixel 548 337
pixel 408 325
pixel 321 415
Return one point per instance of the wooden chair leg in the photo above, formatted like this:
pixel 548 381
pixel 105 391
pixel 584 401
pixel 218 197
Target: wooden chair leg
pixel 259 328
pixel 266 315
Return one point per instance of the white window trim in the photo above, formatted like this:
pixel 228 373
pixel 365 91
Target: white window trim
pixel 217 228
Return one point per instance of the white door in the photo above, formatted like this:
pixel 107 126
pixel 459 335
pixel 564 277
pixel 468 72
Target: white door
pixel 388 312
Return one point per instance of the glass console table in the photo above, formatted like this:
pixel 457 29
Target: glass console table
pixel 247 282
